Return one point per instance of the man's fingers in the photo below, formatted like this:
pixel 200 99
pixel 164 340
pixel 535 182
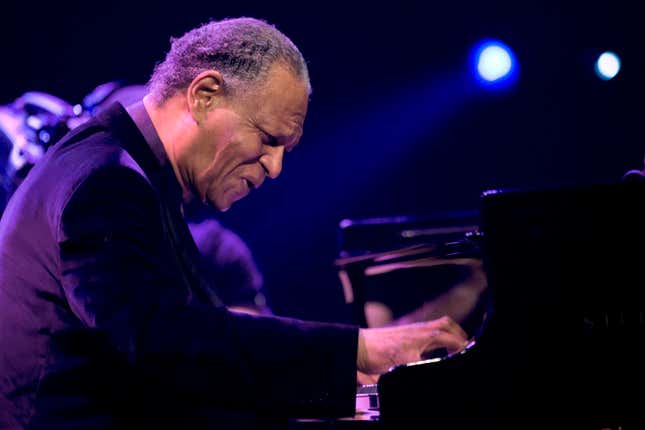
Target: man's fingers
pixel 443 339
pixel 365 378
pixel 449 325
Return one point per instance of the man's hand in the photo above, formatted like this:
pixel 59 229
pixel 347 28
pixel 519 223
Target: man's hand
pixel 379 349
pixel 365 379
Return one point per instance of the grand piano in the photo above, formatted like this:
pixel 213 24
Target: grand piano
pixel 558 332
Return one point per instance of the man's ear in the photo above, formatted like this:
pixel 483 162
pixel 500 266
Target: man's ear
pixel 203 93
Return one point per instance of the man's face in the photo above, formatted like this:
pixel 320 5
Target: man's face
pixel 240 144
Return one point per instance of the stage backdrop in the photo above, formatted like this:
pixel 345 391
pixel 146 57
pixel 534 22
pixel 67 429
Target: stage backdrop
pixel 397 125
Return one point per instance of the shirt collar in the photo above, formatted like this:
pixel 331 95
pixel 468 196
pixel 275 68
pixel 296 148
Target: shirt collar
pixel 141 118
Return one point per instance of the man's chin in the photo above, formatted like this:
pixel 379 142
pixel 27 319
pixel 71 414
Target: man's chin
pixel 220 206
pixel 223 203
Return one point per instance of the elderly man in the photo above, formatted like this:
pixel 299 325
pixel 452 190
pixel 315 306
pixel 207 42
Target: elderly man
pixel 105 318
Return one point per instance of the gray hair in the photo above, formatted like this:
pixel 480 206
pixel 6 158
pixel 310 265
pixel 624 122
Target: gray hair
pixel 241 49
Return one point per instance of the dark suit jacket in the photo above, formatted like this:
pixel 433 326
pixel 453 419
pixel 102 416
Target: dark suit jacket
pixel 105 321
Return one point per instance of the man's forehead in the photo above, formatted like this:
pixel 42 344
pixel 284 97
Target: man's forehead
pixel 282 105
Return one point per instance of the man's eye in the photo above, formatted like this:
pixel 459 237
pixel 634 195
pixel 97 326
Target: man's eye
pixel 271 140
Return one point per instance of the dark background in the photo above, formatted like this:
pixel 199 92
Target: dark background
pixel 396 124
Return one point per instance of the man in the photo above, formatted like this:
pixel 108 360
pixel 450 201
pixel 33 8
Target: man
pixel 36 120
pixel 105 320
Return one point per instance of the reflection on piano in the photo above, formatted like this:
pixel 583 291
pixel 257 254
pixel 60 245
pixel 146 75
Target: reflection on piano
pixel 562 341
pixel 421 269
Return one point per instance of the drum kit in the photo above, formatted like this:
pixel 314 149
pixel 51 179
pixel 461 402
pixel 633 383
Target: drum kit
pixel 36 120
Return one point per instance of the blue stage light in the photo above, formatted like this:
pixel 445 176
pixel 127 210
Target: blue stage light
pixel 607 66
pixel 494 63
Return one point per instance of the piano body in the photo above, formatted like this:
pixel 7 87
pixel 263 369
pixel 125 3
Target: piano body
pixel 558 331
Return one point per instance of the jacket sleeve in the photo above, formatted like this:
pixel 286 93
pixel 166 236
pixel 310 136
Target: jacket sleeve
pixel 119 283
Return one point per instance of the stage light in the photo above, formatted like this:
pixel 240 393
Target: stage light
pixel 494 63
pixel 607 66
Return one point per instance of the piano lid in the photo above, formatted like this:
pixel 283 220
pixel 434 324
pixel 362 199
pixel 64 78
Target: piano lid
pixel 357 237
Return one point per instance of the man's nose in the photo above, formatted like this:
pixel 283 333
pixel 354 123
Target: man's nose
pixel 271 161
